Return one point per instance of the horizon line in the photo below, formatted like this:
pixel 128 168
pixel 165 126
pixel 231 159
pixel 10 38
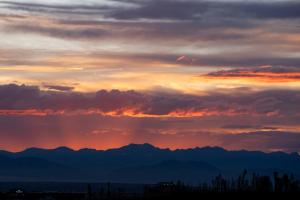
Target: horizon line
pixel 149 144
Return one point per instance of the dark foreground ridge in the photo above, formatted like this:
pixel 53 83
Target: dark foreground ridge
pixel 245 184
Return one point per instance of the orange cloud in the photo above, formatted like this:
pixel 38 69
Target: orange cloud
pixel 31 112
pixel 260 74
pixel 29 100
pixel 130 112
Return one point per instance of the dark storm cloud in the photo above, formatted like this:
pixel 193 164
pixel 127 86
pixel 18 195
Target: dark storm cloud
pixel 273 103
pixel 190 19
pixel 60 32
pixel 238 27
pixel 176 34
pixel 55 9
pixel 31 97
pixel 183 33
pixel 170 9
pixel 197 10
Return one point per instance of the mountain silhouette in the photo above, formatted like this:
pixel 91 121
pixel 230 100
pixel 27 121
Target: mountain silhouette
pixel 30 169
pixel 142 163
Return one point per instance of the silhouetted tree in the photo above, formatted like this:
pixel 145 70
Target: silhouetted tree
pixel 89 192
pixel 263 184
pixel 108 189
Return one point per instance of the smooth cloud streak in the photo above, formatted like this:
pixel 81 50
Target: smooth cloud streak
pixel 263 73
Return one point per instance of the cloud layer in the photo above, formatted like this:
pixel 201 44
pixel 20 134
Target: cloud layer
pixel 130 103
pixel 263 73
pixel 175 73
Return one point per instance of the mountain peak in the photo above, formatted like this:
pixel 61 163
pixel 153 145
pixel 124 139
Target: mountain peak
pixel 58 149
pixel 213 148
pixel 63 149
pixel 139 147
pixel 32 149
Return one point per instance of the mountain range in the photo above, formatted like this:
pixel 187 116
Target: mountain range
pixel 140 163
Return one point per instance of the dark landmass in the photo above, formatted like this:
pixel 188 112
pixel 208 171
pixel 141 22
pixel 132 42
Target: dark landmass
pixel 246 185
pixel 140 164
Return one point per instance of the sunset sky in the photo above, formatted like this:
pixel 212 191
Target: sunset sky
pixel 174 73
